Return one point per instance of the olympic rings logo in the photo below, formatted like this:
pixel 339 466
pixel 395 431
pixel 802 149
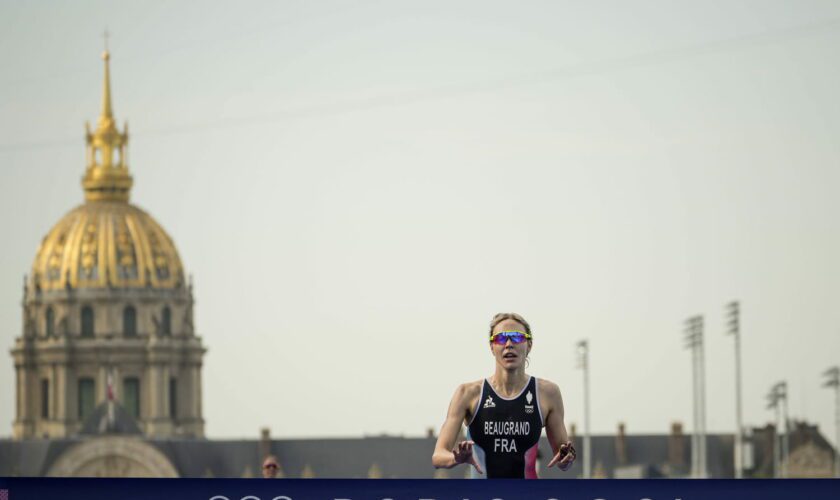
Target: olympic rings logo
pixel 284 497
pixel 249 497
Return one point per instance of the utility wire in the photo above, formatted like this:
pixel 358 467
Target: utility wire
pixel 458 90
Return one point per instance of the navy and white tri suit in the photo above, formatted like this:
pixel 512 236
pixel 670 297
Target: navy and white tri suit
pixel 506 433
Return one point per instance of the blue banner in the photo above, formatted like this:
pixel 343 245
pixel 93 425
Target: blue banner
pixel 410 489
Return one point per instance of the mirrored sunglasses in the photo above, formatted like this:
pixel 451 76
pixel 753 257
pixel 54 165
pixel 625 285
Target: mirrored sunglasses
pixel 515 337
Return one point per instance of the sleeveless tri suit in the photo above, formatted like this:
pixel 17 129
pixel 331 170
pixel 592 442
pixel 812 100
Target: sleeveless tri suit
pixel 506 433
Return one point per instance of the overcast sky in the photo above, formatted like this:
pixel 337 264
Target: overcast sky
pixel 357 187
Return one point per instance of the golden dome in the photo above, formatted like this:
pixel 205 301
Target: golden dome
pixel 107 244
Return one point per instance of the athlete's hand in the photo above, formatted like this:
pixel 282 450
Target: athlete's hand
pixel 565 456
pixel 463 452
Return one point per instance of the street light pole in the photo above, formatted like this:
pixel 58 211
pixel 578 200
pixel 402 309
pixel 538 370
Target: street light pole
pixel 583 363
pixel 734 329
pixel 833 380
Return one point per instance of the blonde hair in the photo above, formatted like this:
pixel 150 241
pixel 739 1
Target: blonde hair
pixel 503 316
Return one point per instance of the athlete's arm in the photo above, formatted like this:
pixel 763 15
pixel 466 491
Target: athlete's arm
pixel 555 427
pixel 447 454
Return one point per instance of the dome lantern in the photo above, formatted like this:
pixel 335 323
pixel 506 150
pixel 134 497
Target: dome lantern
pixel 106 177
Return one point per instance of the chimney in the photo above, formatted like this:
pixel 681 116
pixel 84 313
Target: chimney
pixel 621 445
pixel 265 443
pixel 676 445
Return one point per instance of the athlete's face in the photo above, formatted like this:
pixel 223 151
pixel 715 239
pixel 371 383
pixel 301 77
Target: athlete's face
pixel 510 356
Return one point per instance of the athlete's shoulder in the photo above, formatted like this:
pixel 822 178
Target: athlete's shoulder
pixel 470 389
pixel 465 396
pixel 548 388
pixel 551 401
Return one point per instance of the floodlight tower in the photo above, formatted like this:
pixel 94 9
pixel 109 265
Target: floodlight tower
pixel 734 329
pixel 773 404
pixel 777 400
pixel 783 395
pixel 833 381
pixel 583 364
pixel 693 336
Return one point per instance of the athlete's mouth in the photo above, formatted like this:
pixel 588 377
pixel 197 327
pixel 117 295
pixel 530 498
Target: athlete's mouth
pixel 509 355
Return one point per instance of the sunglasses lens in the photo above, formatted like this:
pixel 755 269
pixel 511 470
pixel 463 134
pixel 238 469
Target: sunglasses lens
pixel 501 338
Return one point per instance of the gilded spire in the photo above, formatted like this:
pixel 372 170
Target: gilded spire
pixel 106 87
pixel 106 177
pixel 106 92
